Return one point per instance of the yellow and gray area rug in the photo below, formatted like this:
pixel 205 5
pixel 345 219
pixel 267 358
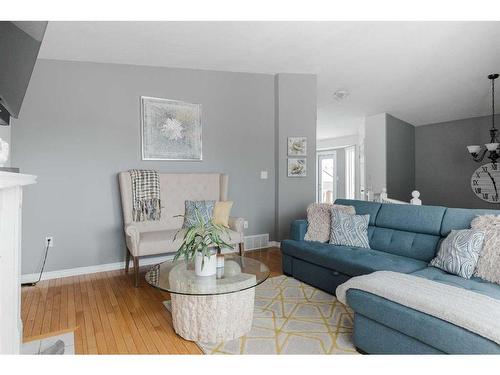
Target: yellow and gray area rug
pixel 291 317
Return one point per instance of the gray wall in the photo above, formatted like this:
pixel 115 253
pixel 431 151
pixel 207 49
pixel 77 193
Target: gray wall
pixel 443 165
pixel 295 98
pixel 400 157
pixel 80 125
pixel 18 52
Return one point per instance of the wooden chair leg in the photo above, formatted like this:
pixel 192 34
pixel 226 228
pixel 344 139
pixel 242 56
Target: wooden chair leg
pixel 136 271
pixel 242 249
pixel 127 261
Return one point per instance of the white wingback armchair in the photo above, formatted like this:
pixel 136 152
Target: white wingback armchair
pixel 157 237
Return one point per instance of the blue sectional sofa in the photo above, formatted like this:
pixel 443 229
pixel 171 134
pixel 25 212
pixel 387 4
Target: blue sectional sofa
pixel 403 238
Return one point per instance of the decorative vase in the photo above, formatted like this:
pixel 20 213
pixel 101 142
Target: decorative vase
pixel 207 266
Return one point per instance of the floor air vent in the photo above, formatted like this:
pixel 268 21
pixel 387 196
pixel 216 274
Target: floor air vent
pixel 257 241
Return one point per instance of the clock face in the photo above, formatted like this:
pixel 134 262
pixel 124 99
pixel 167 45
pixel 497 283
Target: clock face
pixel 485 182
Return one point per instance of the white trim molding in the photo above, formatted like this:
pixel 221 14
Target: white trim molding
pixel 32 277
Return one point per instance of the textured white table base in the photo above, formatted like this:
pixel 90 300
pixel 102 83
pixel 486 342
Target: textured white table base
pixel 215 318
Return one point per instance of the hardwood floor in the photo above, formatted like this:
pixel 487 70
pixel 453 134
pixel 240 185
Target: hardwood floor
pixel 109 315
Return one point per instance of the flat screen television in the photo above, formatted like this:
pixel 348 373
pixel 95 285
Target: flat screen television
pixel 19 45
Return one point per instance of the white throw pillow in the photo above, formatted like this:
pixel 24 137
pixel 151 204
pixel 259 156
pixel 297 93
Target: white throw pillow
pixel 488 265
pixel 319 220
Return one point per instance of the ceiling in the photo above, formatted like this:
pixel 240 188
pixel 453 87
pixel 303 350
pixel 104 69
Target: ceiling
pixel 421 72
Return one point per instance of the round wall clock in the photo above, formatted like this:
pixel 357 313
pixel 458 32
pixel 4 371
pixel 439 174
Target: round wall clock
pixel 485 182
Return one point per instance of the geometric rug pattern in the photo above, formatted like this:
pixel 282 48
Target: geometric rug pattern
pixel 291 317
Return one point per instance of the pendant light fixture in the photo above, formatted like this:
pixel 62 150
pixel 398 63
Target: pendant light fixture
pixel 477 152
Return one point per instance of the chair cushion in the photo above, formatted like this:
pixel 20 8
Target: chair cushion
pixel 162 241
pixel 222 212
pixel 205 209
pixel 353 261
pixel 475 284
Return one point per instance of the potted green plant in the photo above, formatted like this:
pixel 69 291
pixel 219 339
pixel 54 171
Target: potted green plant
pixel 200 242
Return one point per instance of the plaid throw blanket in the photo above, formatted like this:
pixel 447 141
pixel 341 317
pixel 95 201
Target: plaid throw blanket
pixel 145 195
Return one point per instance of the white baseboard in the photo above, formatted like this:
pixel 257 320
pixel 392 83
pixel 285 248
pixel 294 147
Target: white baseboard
pixel 274 244
pixel 32 277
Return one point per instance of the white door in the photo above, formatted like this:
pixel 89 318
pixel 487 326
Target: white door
pixel 327 177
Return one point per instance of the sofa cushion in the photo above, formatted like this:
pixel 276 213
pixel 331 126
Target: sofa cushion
pixel 319 220
pixel 409 244
pixel 489 260
pixel 409 218
pixel 460 218
pixel 353 261
pixel 362 208
pixel 475 284
pixel 349 230
pixel 459 252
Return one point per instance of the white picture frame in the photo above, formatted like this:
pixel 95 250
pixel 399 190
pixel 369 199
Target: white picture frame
pixel 297 167
pixel 170 130
pixel 297 146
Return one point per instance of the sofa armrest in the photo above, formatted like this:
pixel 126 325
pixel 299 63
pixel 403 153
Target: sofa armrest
pixel 298 229
pixel 237 224
pixel 133 235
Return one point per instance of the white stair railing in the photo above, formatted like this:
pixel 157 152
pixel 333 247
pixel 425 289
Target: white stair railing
pixel 415 200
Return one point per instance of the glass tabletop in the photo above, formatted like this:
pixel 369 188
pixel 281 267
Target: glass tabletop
pixel 239 273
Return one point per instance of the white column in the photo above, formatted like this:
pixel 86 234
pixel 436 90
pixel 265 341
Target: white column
pixel 10 260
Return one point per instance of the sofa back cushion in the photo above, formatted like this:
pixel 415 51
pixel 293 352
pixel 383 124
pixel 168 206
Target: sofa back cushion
pixel 407 230
pixel 400 229
pixel 461 218
pixel 408 244
pixel 362 208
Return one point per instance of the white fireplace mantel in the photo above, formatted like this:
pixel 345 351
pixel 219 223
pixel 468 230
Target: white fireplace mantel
pixel 11 185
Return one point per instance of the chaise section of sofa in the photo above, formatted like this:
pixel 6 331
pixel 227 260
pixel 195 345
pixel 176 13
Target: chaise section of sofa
pixel 403 238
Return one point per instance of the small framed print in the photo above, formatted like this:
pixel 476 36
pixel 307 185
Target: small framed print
pixel 297 146
pixel 297 167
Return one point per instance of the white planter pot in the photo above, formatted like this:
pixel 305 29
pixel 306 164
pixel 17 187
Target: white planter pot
pixel 209 265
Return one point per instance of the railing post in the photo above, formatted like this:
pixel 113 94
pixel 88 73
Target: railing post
pixel 415 200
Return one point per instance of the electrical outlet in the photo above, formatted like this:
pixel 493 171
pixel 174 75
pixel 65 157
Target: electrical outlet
pixel 50 241
pixel 263 175
pixel 245 224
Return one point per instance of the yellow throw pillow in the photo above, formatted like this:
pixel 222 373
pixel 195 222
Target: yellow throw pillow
pixel 221 213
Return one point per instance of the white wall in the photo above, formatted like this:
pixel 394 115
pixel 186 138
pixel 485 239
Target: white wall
pixel 325 144
pixel 5 135
pixel 375 152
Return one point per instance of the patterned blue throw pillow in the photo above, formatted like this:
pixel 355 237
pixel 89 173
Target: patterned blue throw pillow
pixel 205 209
pixel 349 230
pixel 459 252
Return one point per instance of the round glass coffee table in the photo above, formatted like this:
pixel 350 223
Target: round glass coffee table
pixel 211 308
